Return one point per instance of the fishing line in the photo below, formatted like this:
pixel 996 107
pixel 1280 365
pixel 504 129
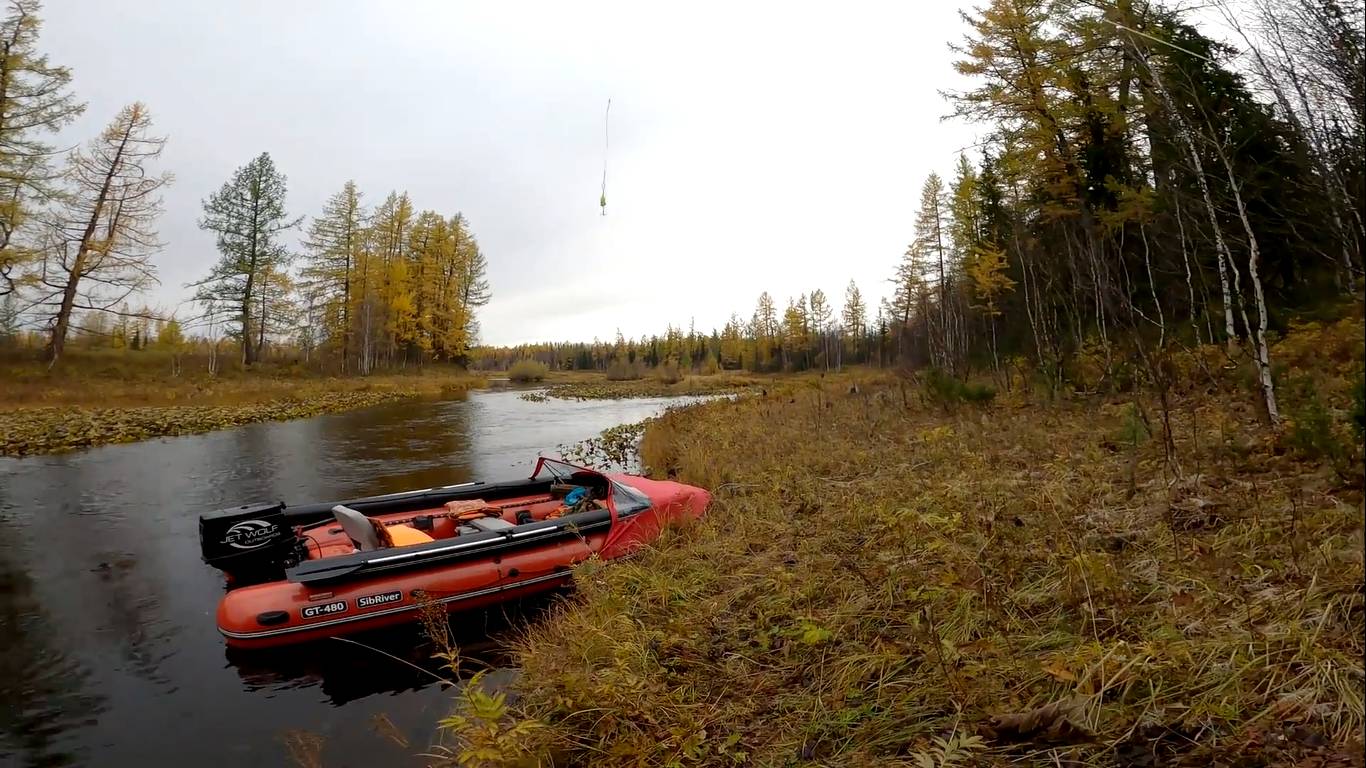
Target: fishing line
pixel 606 145
pixel 395 658
pixel 1164 42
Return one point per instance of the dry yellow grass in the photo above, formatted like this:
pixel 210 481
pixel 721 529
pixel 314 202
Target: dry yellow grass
pixel 880 583
pixel 596 386
pixel 119 379
pixel 124 397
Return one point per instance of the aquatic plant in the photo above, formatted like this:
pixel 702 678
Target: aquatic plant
pixel 50 429
pixel 658 386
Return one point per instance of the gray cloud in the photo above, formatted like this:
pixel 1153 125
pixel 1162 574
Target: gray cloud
pixel 770 147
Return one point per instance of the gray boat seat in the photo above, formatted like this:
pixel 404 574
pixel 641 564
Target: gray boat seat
pixel 358 527
pixel 489 524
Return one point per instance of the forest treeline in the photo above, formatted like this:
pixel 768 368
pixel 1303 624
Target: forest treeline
pixel 382 287
pixel 1142 187
pixel 810 332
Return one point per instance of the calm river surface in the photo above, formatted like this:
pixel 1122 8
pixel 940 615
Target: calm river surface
pixel 108 650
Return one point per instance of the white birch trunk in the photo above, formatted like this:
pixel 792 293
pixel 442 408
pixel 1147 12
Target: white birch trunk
pixel 1253 259
pixel 1221 248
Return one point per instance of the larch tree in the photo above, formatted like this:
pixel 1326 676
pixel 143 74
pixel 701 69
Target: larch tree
pixel 820 323
pixel 389 244
pixel 764 325
pixel 931 259
pixel 473 276
pixel 274 308
pixel 430 245
pixel 332 252
pixel 97 250
pixel 34 102
pixel 794 330
pixel 907 289
pixel 854 316
pixel 248 216
pixel 732 351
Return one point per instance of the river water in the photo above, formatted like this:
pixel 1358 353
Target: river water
pixel 108 650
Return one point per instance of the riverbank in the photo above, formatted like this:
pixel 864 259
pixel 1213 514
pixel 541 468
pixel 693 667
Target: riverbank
pixel 596 386
pixel 42 413
pixel 885 580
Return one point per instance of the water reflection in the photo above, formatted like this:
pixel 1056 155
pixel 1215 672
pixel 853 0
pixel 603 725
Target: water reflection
pixel 108 650
pixel 431 441
pixel 42 688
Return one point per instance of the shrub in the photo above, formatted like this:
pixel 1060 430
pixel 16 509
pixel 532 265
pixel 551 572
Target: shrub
pixel 979 394
pixel 948 391
pixel 620 370
pixel 711 367
pixel 528 370
pixel 669 373
pixel 1359 405
pixel 1313 432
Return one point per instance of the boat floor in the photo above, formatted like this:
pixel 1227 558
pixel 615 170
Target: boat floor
pixel 328 539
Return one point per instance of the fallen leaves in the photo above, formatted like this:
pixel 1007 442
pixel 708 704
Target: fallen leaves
pixel 1057 671
pixel 1196 514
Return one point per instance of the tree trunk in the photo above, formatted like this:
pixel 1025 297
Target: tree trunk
pixel 261 330
pixel 1223 257
pixel 1253 258
pixel 346 302
pixel 59 330
pixel 248 353
pixel 1185 261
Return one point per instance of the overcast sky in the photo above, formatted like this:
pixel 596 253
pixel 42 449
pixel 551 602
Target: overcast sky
pixel 754 147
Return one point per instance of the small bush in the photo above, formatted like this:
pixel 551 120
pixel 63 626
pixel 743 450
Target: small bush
pixel 947 391
pixel 979 394
pixel 711 367
pixel 528 370
pixel 669 373
pixel 1359 405
pixel 621 370
pixel 1313 433
pixel 1133 430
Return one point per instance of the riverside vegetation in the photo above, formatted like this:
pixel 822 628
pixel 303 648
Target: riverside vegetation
pixel 595 388
pixel 115 396
pixel 896 575
pixel 384 289
pixel 1140 544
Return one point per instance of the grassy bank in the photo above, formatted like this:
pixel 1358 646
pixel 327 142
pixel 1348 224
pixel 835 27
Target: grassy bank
pixel 93 402
pixel 885 581
pixel 598 387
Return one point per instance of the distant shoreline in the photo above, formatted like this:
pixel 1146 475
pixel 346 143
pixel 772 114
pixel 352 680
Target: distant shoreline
pixel 30 429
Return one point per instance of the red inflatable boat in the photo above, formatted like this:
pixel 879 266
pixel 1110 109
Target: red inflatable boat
pixel 309 572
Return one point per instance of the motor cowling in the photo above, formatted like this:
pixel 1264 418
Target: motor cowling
pixel 249 542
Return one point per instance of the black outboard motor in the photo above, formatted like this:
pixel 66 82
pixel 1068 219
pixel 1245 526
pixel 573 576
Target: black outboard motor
pixel 250 543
